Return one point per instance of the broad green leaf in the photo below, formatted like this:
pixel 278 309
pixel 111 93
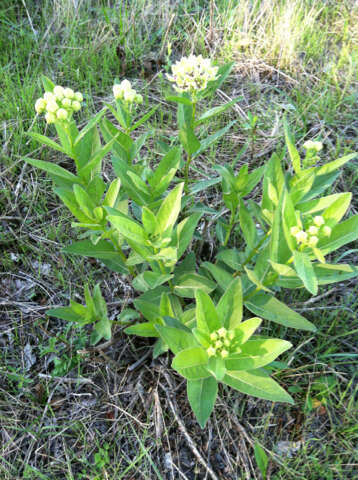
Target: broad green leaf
pixel 328 273
pixel 128 228
pixel 190 357
pixel 257 354
pixel 178 99
pixel 338 208
pixel 94 163
pixel 149 280
pixel 269 308
pixel 142 330
pixel 344 232
pixel 186 285
pixel 185 231
pixel 207 318
pixel 301 184
pixel 188 139
pixel 253 277
pixel 246 329
pixel 247 225
pixel 223 73
pixel 92 123
pixel 257 384
pixel 176 338
pixel 332 166
pixel 230 305
pixel 222 277
pixel 47 84
pixel 305 271
pixel 318 204
pixel 84 201
pixel 212 112
pixel 169 210
pixel 112 193
pixel 138 183
pixel 53 169
pixel 202 396
pixel 216 366
pixel 149 220
pixel 46 141
pixel 65 313
pixel 168 165
pixel 292 150
pixel 273 177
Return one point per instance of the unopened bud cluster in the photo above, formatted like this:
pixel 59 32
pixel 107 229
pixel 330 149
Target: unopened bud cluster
pixel 192 74
pixel 124 91
pixel 222 343
pixel 310 237
pixel 312 148
pixel 59 104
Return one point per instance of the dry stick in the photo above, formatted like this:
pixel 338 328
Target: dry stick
pixel 184 430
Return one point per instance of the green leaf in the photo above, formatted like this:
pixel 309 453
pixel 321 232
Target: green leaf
pixel 167 168
pixel 94 163
pixel 257 353
pixel 247 225
pixel 65 313
pixel 208 141
pixel 53 169
pixel 261 459
pixel 332 166
pixel 169 210
pixel 268 307
pixel 188 139
pixel 305 271
pixel 292 150
pixel 47 84
pixel 344 232
pixel 46 141
pixel 230 305
pixel 207 318
pixel 257 384
pixel 91 124
pixel 216 366
pixel 149 280
pixel 178 99
pixel 222 277
pixel 143 119
pixel 202 396
pixel 142 330
pixel 176 338
pixel 186 285
pixel 217 110
pixel 331 273
pixel 190 357
pixel 338 208
pixel 185 231
pixel 112 193
pixel 318 204
pixel 128 228
pixel 246 329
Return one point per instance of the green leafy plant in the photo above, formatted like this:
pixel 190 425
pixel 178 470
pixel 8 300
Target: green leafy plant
pixel 148 225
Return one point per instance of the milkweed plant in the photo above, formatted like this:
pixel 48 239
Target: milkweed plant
pixel 145 222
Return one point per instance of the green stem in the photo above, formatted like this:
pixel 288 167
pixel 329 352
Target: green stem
pixel 231 225
pixel 253 252
pixel 190 157
pixel 123 257
pixel 162 269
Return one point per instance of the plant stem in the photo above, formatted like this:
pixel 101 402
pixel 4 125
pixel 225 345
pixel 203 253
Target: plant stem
pixel 253 252
pixel 162 269
pixel 231 225
pixel 190 157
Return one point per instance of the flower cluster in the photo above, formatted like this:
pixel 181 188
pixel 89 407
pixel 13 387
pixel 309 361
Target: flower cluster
pixel 124 91
pixel 59 104
pixel 310 237
pixel 312 148
pixel 192 74
pixel 222 343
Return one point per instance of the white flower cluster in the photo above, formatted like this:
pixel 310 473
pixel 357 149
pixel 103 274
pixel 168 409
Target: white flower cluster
pixel 124 91
pixel 311 237
pixel 192 74
pixel 312 145
pixel 221 343
pixel 59 104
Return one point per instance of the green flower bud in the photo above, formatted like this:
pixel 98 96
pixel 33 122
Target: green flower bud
pixel 69 93
pixel 218 344
pixel 294 230
pixel 79 97
pixel 129 95
pixel 117 91
pixel 138 99
pixel 62 114
pixel 52 106
pixel 327 231
pixel 50 117
pixel 211 351
pixel 126 85
pixel 224 353
pixel 318 220
pixel 301 236
pixel 312 241
pixel 313 230
pixel 40 105
pixel 222 332
pixel 49 96
pixel 76 105
pixel 66 102
pixel 59 92
pixel 213 336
